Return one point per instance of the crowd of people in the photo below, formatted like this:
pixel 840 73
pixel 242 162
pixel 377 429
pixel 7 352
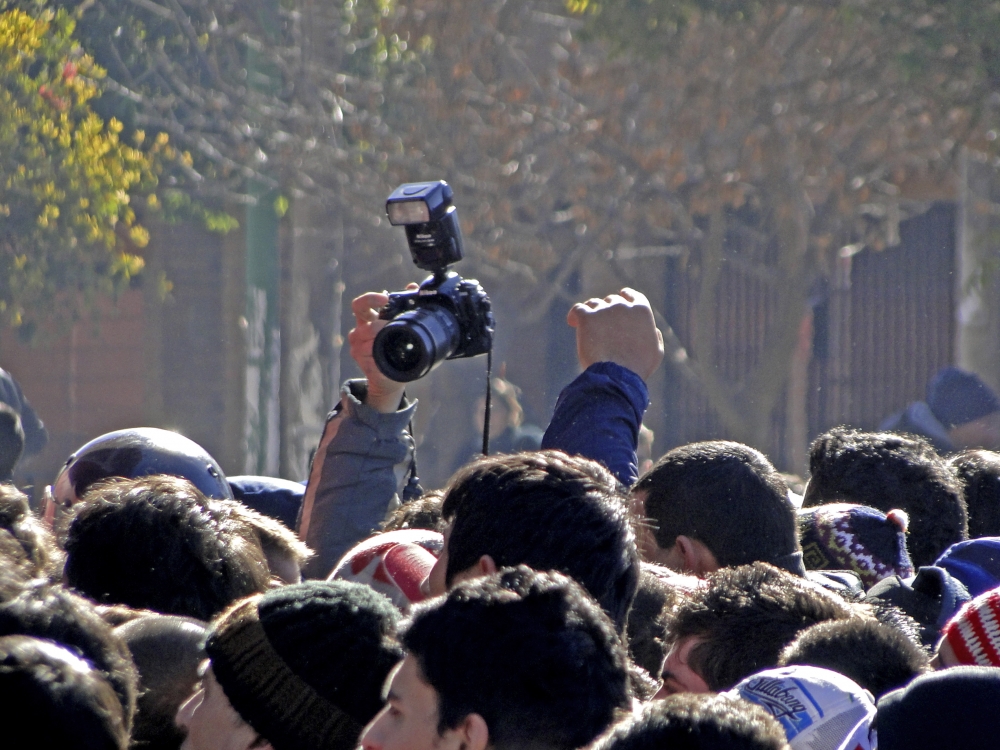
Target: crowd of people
pixel 548 599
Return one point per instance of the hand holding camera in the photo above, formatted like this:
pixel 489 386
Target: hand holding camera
pixel 446 317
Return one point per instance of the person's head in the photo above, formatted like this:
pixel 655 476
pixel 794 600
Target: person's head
pixel 422 513
pixel 972 636
pixel 55 614
pixel 41 552
pixel 517 659
pixel 817 708
pixel 696 722
pixel 300 666
pixel 134 453
pixel 974 563
pixel 286 554
pixel 394 563
pixel 842 536
pixel 720 498
pixel 505 407
pixel 56 698
pixel 11 441
pixel 886 471
pixel 156 543
pixel 647 626
pixel 951 708
pixel 878 657
pixel 738 625
pixel 979 474
pixel 548 511
pixel 967 408
pixel 167 652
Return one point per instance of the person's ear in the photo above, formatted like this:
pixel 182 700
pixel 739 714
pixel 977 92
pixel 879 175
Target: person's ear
pixel 487 566
pixel 697 558
pixel 472 732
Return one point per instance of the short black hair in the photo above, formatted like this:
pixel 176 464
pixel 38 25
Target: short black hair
pixel 692 721
pixel 979 473
pixel 885 471
pixel 726 495
pixel 876 656
pixel 11 441
pixel 53 613
pixel 745 616
pixel 167 652
pixel 548 511
pixel 56 699
pixel 530 652
pixel 157 543
pixel 647 626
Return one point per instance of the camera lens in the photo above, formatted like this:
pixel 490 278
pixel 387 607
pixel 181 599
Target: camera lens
pixel 415 342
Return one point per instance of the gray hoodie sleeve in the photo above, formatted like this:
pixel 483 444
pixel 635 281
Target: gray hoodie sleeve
pixel 354 478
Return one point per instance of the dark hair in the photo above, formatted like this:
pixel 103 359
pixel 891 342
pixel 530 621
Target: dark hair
pixel 56 699
pixel 11 441
pixel 156 543
pixel 647 627
pixel 745 616
pixel 877 657
pixel 548 511
pixel 692 721
pixel 886 471
pixel 275 539
pixel 40 549
pixel 979 473
pixel 529 652
pixel 423 512
pixel 167 652
pixel 727 496
pixel 53 613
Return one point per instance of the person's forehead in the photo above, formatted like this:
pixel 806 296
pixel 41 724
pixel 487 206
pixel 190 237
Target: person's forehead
pixel 407 684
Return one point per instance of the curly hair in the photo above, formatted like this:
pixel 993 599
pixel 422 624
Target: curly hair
pixel 885 471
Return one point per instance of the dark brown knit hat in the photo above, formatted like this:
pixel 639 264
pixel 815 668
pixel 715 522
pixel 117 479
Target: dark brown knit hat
pixel 304 664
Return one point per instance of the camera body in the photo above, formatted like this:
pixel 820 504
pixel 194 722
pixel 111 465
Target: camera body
pixel 447 317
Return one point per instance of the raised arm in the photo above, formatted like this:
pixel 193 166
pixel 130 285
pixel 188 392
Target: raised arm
pixel 598 415
pixel 362 456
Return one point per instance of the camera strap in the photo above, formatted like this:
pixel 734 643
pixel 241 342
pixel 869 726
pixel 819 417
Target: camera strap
pixel 489 400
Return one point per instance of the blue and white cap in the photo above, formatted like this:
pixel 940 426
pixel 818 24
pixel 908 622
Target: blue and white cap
pixel 819 709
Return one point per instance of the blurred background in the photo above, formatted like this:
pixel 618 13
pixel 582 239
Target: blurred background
pixel 807 193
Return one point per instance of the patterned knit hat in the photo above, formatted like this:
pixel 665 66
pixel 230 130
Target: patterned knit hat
pixel 304 664
pixel 841 536
pixel 974 633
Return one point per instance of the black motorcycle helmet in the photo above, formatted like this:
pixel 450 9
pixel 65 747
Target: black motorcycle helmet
pixel 141 451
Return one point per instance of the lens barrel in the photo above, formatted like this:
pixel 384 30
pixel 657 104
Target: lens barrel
pixel 416 342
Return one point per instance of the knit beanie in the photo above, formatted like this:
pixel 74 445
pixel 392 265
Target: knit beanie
pixel 974 633
pixel 957 397
pixel 954 707
pixel 304 664
pixel 976 563
pixel 842 536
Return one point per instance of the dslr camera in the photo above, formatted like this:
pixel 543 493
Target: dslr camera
pixel 447 317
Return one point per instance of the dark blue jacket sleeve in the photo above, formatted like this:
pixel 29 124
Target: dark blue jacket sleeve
pixel 598 416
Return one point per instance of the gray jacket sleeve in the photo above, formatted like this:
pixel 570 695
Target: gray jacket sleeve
pixel 354 479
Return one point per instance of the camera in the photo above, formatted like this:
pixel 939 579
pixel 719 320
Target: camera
pixel 447 317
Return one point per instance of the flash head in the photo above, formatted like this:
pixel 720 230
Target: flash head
pixel 419 203
pixel 427 214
